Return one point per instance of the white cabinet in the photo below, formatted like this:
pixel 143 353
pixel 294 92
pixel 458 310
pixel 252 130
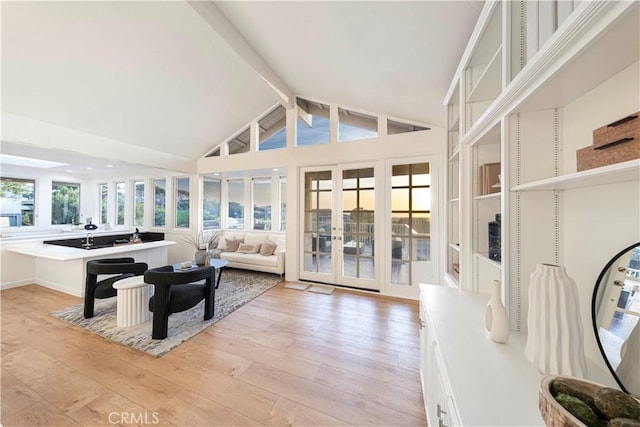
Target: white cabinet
pixel 469 380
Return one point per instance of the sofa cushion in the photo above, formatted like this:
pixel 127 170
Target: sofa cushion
pixel 268 248
pixel 279 240
pixel 232 245
pixel 222 244
pixel 255 259
pixel 246 248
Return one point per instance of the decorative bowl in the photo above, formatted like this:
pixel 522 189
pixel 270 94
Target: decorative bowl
pixel 553 413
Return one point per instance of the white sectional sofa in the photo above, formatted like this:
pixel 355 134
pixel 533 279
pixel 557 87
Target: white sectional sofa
pixel 252 261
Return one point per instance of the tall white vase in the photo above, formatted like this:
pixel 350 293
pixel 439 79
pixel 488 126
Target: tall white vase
pixel 496 320
pixel 555 341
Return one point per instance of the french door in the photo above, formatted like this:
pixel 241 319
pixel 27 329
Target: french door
pixel 338 227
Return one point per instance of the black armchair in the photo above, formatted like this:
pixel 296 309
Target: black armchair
pixel 94 289
pixel 176 291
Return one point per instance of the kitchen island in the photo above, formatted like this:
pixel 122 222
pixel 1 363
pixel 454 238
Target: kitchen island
pixel 63 268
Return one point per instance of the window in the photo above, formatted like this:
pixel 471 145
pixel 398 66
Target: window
pixel 272 130
pixel 214 153
pixel 262 203
pixel 159 202
pixel 352 125
pixel 104 193
pixel 120 195
pixel 211 203
pixel 394 127
pixel 410 220
pixel 239 143
pixel 312 123
pixel 138 203
pixel 65 203
pixel 235 192
pixel 283 203
pixel 182 202
pixel 17 201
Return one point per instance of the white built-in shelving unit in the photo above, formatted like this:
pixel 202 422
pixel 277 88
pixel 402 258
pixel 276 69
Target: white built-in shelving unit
pixel 534 82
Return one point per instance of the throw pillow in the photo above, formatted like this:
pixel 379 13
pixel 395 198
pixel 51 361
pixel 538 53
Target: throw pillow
pixel 232 244
pixel 268 248
pixel 246 248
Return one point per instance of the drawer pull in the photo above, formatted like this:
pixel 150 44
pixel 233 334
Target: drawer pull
pixel 441 423
pixel 622 121
pixel 421 323
pixel 610 144
pixel 439 410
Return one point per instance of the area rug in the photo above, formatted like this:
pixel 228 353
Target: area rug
pixel 237 287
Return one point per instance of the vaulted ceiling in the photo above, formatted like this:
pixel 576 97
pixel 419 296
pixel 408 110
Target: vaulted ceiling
pixel 157 83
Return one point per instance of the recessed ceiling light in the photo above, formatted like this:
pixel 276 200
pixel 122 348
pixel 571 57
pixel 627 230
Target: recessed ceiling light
pixel 217 174
pixel 69 170
pixel 276 169
pixel 109 166
pixel 29 162
pixel 89 168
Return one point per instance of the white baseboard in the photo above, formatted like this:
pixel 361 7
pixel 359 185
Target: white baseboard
pixel 58 287
pixel 16 284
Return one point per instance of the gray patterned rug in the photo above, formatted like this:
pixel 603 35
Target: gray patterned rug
pixel 237 288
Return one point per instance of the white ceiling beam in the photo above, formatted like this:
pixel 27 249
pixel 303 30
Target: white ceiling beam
pixel 230 34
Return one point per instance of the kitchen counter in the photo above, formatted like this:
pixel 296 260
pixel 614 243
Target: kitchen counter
pixel 64 253
pixel 63 268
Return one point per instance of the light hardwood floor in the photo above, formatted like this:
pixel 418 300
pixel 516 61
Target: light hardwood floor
pixel 288 358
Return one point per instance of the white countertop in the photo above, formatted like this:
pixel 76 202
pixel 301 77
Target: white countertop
pixel 63 253
pixel 493 384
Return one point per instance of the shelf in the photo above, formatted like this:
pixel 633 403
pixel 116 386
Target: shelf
pixel 488 196
pixel 611 174
pixel 454 200
pixel 484 257
pixel 489 82
pixel 454 246
pixel 595 62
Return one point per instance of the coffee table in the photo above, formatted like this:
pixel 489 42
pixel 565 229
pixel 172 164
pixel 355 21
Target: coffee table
pixel 215 263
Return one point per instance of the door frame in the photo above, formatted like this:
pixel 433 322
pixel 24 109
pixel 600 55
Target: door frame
pixel 336 277
pixel 412 291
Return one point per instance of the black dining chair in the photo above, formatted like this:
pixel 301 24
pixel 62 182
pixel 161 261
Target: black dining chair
pixel 117 268
pixel 177 291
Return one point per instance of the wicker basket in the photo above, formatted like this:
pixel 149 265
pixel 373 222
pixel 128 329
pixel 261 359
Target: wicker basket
pixel 553 413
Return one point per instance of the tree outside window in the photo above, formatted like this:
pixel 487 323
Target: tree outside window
pixel 159 202
pixel 17 201
pixel 65 203
pixel 182 202
pixel 120 195
pixel 138 203
pixel 104 193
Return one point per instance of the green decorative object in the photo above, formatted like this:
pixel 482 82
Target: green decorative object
pixel 201 256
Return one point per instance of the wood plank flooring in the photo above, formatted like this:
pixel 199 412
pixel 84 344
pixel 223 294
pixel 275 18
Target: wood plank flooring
pixel 288 358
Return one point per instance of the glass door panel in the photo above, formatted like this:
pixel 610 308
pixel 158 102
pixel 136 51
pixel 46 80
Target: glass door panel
pixel 358 218
pixel 410 223
pixel 318 213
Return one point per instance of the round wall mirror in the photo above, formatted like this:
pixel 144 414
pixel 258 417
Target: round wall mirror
pixel 615 311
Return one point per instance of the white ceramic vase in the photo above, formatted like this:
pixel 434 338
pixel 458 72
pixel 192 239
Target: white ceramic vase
pixel 496 320
pixel 555 340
